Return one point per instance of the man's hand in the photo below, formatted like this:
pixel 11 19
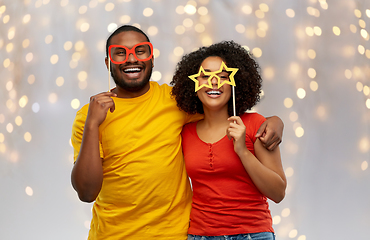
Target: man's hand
pixel 270 132
pixel 99 106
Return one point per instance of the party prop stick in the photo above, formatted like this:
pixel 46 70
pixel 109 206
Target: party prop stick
pixel 231 81
pixel 219 84
pixel 142 52
pixel 214 74
pixel 108 74
pixel 195 76
pixel 234 101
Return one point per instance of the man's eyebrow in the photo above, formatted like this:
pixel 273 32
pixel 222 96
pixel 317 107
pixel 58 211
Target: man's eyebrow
pixel 120 47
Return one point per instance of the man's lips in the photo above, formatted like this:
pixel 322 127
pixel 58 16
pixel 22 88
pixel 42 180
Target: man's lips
pixel 132 71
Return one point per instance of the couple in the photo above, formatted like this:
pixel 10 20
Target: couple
pixel 129 157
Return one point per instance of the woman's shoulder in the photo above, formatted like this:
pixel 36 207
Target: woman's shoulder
pixel 252 122
pixel 252 117
pixel 189 127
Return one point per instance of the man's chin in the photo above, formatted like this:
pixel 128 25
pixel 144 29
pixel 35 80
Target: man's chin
pixel 133 85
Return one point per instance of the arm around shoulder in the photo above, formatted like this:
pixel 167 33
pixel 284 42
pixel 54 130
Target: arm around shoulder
pixel 270 133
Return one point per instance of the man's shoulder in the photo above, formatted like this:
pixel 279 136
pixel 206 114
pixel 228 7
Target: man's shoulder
pixel 163 90
pixel 163 87
pixel 83 110
pixel 81 116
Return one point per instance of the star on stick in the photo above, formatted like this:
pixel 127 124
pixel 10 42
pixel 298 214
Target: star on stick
pixel 231 76
pixel 219 84
pixel 214 74
pixel 194 78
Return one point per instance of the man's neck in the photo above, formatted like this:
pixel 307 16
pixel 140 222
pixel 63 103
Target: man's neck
pixel 123 93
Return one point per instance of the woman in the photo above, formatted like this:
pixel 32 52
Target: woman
pixel 232 173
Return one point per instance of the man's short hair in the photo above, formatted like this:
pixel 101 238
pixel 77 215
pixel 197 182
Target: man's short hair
pixel 124 28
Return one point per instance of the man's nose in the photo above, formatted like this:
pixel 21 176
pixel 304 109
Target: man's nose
pixel 131 58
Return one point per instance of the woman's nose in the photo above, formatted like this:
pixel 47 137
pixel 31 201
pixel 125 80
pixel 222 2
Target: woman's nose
pixel 214 80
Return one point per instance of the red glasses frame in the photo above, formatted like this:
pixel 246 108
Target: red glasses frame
pixel 129 51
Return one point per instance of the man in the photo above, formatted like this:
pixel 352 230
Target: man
pixel 127 149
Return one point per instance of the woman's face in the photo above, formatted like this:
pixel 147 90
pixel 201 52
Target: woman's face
pixel 214 99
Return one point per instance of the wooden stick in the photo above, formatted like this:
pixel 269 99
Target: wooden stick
pixel 108 73
pixel 234 101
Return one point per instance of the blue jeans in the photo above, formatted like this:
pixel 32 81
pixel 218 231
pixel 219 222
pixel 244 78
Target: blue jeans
pixel 248 236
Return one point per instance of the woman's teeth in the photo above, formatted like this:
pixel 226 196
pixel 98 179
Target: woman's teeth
pixel 214 92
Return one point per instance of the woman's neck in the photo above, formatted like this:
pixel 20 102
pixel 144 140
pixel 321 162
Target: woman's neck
pixel 213 127
pixel 215 119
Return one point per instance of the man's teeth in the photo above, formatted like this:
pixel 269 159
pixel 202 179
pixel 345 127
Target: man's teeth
pixel 213 92
pixel 130 70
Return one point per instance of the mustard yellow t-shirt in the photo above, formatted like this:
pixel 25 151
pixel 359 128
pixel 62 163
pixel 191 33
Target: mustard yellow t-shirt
pixel 146 193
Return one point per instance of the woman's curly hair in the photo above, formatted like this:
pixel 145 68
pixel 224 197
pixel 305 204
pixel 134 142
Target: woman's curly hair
pixel 247 79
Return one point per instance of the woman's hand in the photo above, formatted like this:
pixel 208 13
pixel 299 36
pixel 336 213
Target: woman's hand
pixel 236 131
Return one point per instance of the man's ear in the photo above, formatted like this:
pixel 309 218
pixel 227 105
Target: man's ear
pixel 152 62
pixel 106 63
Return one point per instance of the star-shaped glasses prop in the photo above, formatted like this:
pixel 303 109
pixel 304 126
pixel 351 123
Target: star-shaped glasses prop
pixel 211 75
pixel 195 79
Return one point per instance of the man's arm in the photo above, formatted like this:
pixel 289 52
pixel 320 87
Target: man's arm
pixel 87 173
pixel 270 132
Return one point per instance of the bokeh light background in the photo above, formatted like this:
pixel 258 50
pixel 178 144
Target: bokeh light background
pixel 314 57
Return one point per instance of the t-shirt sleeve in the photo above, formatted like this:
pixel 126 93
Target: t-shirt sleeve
pixel 77 133
pixel 188 117
pixel 193 117
pixel 252 122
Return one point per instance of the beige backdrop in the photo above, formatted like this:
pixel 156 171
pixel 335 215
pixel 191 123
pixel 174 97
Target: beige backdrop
pixel 314 58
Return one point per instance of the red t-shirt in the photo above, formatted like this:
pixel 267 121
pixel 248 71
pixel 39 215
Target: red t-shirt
pixel 225 199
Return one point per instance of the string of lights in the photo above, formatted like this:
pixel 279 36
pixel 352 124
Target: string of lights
pixel 315 62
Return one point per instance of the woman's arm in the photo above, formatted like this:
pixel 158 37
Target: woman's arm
pixel 265 169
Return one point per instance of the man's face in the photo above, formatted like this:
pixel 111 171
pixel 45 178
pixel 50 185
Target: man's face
pixel 132 75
